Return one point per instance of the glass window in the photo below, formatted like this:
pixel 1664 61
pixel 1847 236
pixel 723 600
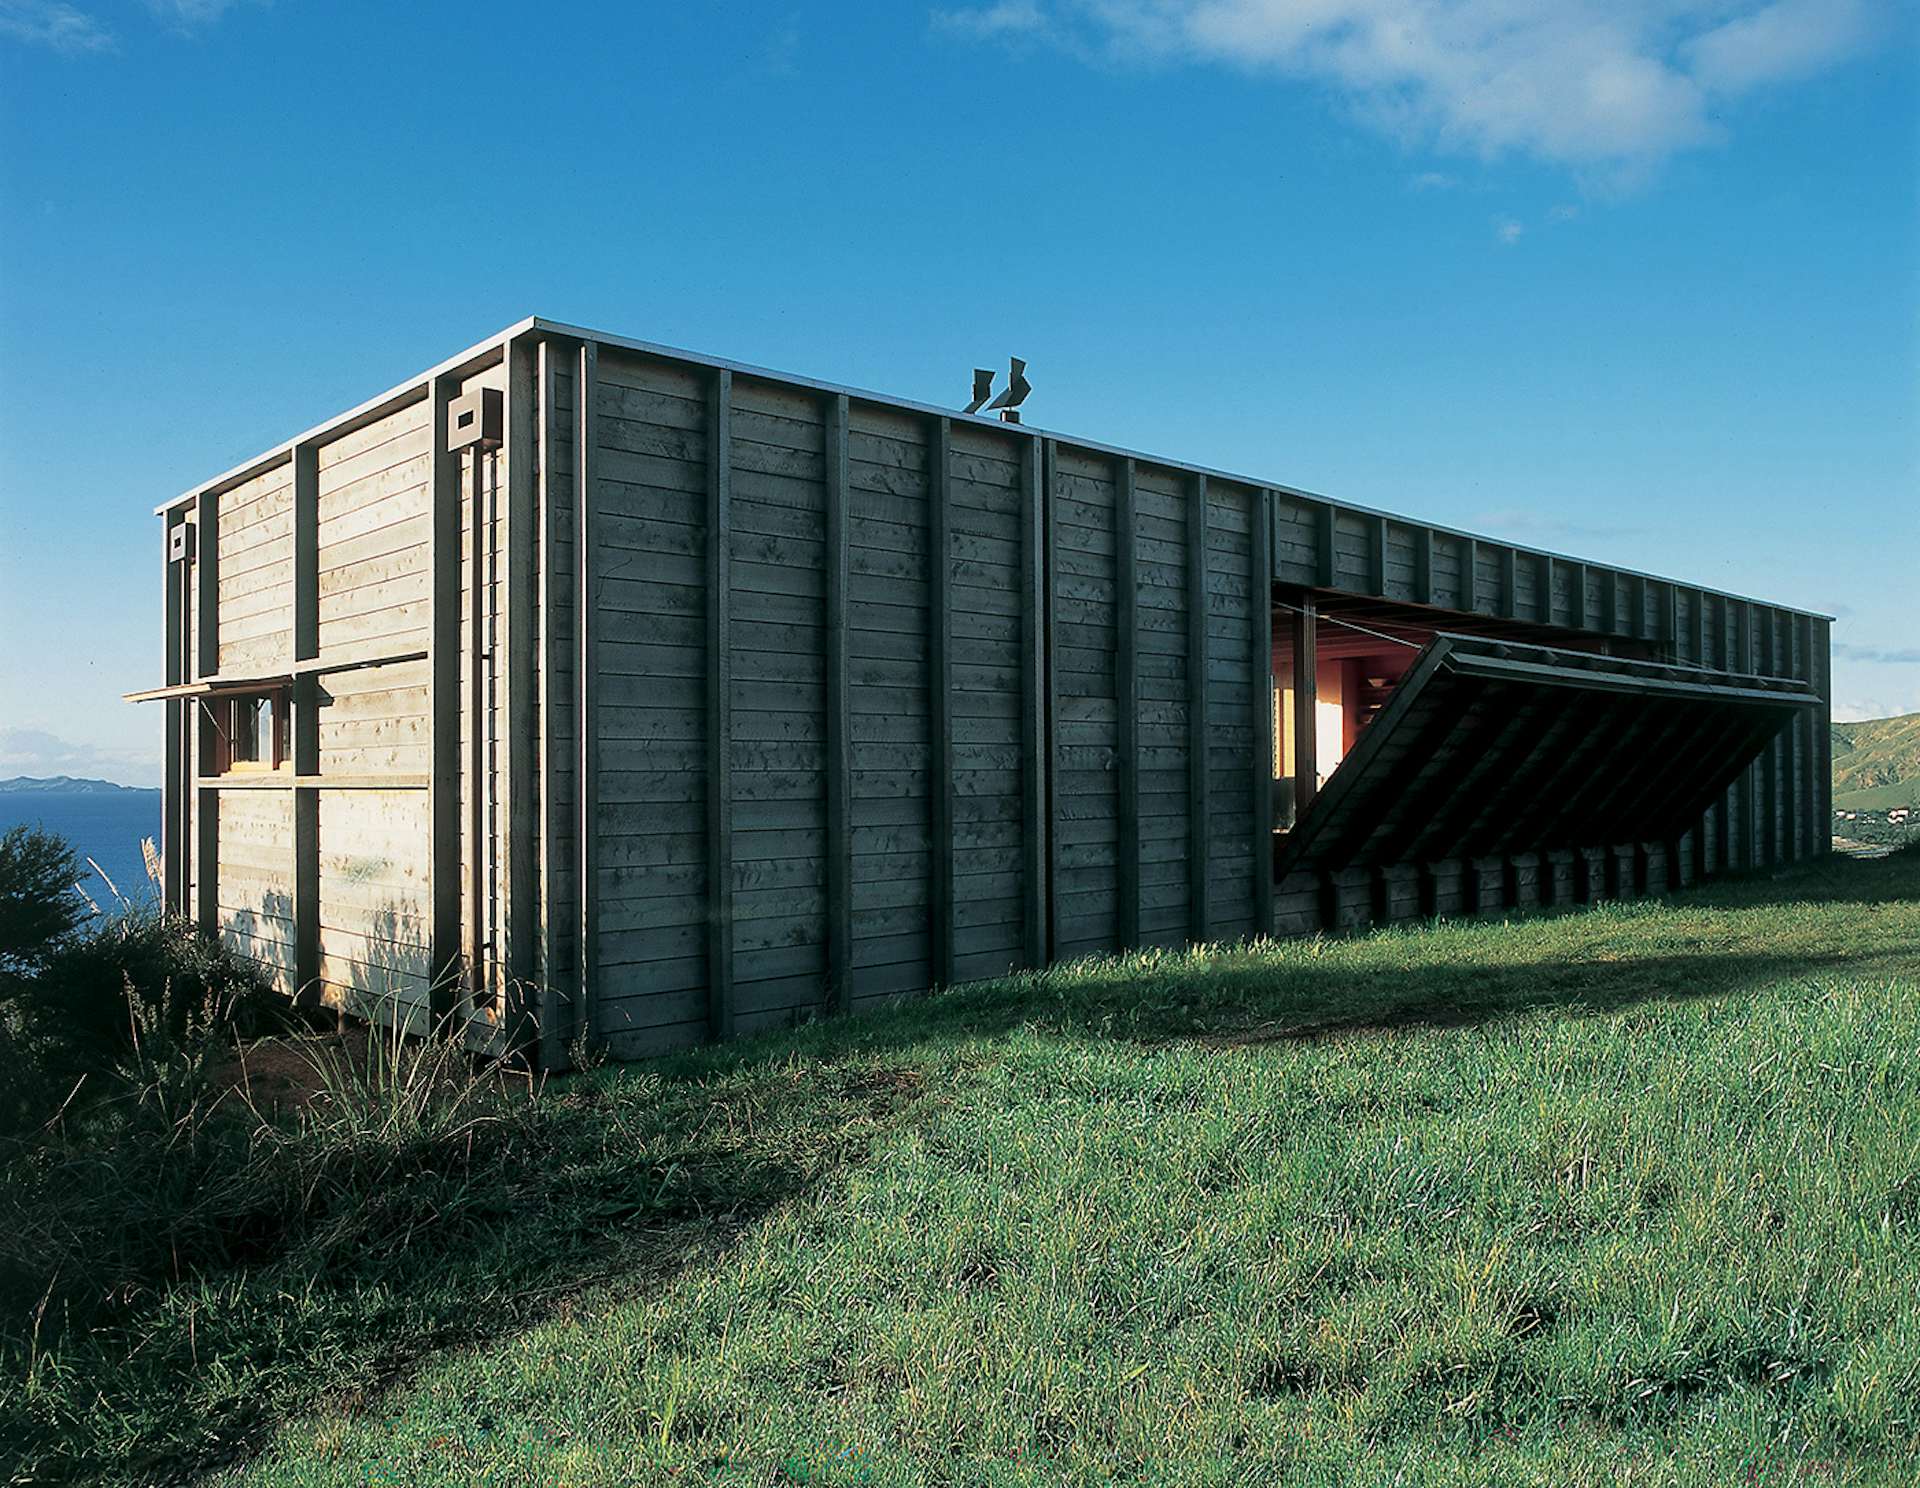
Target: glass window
pixel 252 732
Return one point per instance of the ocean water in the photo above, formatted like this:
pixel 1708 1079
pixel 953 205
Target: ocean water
pixel 106 827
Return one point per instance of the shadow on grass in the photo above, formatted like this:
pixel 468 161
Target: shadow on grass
pixel 1450 974
pixel 623 1178
pixel 323 1287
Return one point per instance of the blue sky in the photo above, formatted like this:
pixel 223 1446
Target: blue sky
pixel 1638 280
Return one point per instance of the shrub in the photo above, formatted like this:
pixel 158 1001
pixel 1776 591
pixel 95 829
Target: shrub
pixel 39 906
pixel 90 1002
pixel 140 974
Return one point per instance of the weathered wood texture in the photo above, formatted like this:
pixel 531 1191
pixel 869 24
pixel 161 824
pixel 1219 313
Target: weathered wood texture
pixel 374 921
pixel 873 698
pixel 478 999
pixel 254 551
pixel 875 616
pixel 255 893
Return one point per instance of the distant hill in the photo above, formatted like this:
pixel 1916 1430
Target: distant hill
pixel 68 785
pixel 1876 763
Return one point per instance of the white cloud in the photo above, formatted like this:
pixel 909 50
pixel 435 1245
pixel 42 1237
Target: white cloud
pixel 190 14
pixel 1878 655
pixel 1859 707
pixel 1605 85
pixel 49 24
pixel 1434 181
pixel 30 751
pixel 66 28
pixel 1006 18
pixel 1781 42
pixel 1565 212
pixel 1507 230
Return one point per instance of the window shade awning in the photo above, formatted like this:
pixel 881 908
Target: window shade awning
pixel 209 687
pixel 1490 748
pixel 232 686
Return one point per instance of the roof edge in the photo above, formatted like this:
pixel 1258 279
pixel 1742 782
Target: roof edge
pixel 400 392
pixel 540 324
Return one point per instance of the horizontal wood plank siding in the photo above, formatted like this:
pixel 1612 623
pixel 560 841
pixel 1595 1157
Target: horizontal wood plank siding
pixel 985 495
pixel 858 722
pixel 374 903
pixel 649 468
pixel 1163 728
pixel 374 582
pixel 254 592
pixel 254 897
pixel 777 755
pixel 1086 764
pixel 891 741
pixel 1232 721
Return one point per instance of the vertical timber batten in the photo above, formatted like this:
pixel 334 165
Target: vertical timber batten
pixel 839 834
pixel 1822 670
pixel 180 765
pixel 719 706
pixel 1260 598
pixel 1323 566
pixel 1306 730
pixel 586 601
pixel 1127 677
pixel 476 953
pixel 1199 910
pixel 1049 485
pixel 520 744
pixel 552 1029
pixel 940 697
pixel 206 803
pixel 1015 563
pixel 1727 833
pixel 1770 760
pixel 1749 784
pixel 443 479
pixel 1035 790
pixel 305 475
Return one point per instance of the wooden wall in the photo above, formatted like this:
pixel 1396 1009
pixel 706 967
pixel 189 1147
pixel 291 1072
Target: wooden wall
pixel 374 903
pixel 373 530
pixel 255 879
pixel 373 597
pixel 255 574
pixel 1779 812
pixel 855 698
pixel 557 970
pixel 321 580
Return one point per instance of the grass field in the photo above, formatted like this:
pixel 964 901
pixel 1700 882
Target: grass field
pixel 1623 1196
pixel 1879 797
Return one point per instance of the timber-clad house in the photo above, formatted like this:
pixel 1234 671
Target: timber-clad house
pixel 585 689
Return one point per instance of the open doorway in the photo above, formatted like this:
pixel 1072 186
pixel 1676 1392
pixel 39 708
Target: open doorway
pixel 1337 660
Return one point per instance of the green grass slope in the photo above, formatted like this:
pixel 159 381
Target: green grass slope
pixel 1623 1196
pixel 1879 797
pixel 1878 752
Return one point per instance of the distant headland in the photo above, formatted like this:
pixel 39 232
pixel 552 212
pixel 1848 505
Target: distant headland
pixel 69 785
